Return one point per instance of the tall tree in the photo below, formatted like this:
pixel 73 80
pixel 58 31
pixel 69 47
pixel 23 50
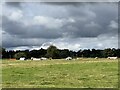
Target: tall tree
pixel 52 52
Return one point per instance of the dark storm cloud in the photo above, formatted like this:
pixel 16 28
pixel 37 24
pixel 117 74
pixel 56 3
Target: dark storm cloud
pixel 64 3
pixel 72 3
pixel 18 29
pixel 91 20
pixel 12 27
pixel 98 19
pixel 14 42
pixel 38 32
pixel 14 4
pixel 102 14
pixel 60 21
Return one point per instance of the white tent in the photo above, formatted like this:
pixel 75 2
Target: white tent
pixel 22 58
pixel 69 58
pixel 43 58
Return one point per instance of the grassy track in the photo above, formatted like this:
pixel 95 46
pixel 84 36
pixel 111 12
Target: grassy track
pixel 83 73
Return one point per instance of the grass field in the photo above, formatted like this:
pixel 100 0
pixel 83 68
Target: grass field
pixel 82 73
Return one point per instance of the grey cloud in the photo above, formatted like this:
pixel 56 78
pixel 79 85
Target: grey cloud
pixel 105 12
pixel 64 3
pixel 14 4
pixel 12 27
pixel 13 41
pixel 18 29
pixel 38 32
pixel 90 20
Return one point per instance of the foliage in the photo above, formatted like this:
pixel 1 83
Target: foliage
pixel 19 55
pixel 64 53
pixel 54 52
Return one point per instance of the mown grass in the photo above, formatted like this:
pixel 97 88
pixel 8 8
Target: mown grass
pixel 82 73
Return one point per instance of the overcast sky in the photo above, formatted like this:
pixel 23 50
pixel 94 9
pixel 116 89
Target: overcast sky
pixel 72 26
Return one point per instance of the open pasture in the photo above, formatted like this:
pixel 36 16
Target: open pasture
pixel 81 73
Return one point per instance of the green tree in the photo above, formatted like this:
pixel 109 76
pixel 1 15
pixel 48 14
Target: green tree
pixel 19 55
pixel 52 52
pixel 108 52
pixel 4 53
pixel 64 53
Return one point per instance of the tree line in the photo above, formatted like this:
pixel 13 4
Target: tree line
pixel 55 53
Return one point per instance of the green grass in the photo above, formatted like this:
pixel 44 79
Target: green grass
pixel 83 73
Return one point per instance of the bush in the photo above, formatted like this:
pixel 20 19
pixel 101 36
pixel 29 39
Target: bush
pixel 19 55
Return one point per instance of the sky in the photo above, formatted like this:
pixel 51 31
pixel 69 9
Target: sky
pixel 67 25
